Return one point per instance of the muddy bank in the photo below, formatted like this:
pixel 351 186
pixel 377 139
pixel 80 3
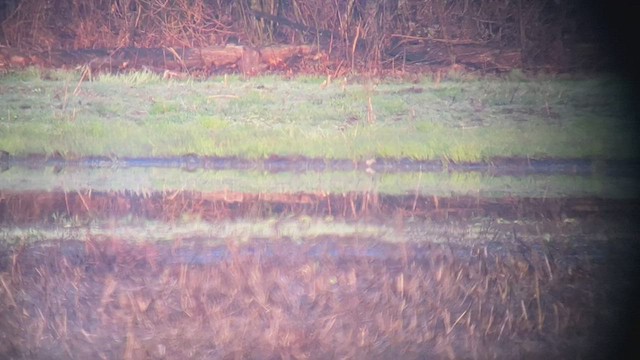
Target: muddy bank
pixel 328 299
pixel 18 208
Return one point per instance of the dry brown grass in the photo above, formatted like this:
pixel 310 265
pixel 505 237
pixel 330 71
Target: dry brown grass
pixel 327 297
pixel 62 24
pixel 33 206
pixel 332 298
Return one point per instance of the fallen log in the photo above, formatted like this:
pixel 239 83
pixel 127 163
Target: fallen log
pixel 467 54
pixel 229 58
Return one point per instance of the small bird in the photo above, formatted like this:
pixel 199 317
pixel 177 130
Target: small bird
pixel 369 164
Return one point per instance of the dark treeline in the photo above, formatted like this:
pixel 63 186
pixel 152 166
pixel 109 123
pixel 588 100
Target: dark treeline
pixel 562 34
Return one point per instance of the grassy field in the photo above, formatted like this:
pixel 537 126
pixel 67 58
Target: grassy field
pixel 464 118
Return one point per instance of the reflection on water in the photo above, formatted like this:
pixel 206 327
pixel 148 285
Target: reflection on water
pixel 527 179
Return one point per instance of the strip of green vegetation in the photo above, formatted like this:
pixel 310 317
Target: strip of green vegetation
pixel 144 181
pixel 304 228
pixel 297 229
pixel 140 114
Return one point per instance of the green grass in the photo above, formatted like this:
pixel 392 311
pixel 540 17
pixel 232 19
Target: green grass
pixel 466 119
pixel 295 228
pixel 303 228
